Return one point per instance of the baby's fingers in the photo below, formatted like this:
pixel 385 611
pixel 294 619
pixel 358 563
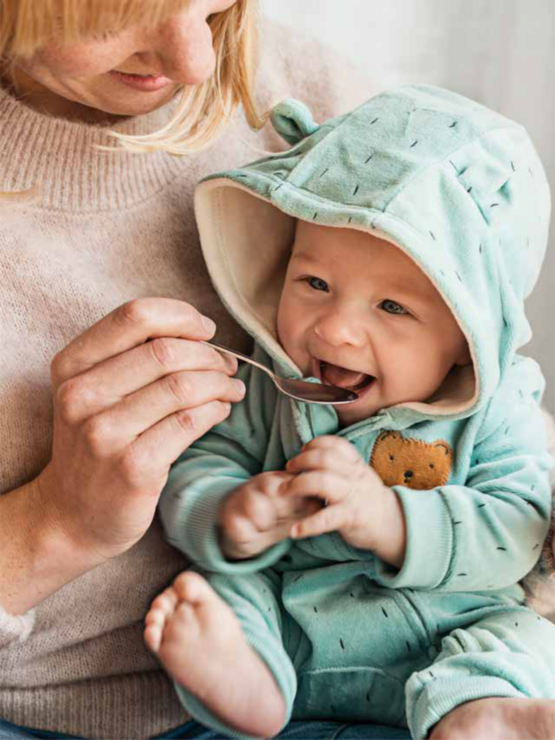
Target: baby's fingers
pixel 239 529
pixel 315 484
pixel 323 453
pixel 328 519
pixel 317 459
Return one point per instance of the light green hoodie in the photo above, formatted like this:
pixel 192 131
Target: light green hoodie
pixel 460 190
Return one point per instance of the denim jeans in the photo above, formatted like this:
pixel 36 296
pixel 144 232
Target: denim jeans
pixel 314 730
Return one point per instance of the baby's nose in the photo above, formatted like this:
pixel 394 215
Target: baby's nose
pixel 337 328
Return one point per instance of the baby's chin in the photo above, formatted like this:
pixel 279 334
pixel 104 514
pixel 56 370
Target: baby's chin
pixel 348 415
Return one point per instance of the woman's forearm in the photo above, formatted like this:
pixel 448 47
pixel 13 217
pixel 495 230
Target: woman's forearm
pixel 36 557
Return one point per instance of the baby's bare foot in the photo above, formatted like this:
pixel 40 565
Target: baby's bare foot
pixel 199 641
pixel 499 719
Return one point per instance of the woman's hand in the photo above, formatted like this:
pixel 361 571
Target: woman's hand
pixel 130 394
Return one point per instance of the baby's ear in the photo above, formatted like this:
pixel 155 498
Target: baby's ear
pixel 293 121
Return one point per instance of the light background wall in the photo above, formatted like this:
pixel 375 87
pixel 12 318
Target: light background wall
pixel 499 52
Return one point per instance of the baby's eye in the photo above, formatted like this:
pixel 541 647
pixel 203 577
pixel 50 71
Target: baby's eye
pixel 318 284
pixel 393 307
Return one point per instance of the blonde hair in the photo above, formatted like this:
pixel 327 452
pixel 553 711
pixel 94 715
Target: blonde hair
pixel 204 109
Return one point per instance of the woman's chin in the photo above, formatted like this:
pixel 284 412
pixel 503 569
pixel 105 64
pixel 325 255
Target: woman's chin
pixel 135 104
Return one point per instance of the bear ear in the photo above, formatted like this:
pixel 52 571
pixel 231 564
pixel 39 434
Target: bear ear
pixel 293 121
pixel 389 435
pixel 446 448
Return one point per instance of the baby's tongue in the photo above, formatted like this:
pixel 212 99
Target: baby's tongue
pixel 340 376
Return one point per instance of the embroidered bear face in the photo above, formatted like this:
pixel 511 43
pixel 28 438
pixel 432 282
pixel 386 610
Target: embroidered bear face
pixel 411 462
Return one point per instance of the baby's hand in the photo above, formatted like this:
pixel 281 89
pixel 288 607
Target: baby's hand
pixel 254 516
pixel 357 504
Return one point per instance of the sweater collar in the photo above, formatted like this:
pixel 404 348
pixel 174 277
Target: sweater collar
pixel 61 158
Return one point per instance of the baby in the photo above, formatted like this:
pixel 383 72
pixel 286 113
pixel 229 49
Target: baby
pixel 361 562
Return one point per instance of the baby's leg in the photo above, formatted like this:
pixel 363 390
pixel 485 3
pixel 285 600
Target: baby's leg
pixel 224 667
pixel 481 676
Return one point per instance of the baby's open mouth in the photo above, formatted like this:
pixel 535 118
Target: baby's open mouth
pixel 352 380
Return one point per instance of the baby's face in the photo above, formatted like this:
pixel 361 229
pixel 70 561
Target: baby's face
pixel 356 312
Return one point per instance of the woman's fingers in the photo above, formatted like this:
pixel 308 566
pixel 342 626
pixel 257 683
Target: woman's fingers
pixel 135 413
pixel 107 383
pixel 178 394
pixel 160 446
pixel 128 326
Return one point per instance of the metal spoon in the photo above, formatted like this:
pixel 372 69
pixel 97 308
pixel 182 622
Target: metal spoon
pixel 297 389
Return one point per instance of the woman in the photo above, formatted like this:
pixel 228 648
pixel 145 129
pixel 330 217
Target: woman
pixel 102 385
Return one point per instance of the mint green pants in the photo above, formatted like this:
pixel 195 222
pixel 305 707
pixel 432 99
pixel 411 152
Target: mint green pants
pixel 358 652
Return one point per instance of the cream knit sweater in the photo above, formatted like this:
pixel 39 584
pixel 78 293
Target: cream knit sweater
pixel 107 228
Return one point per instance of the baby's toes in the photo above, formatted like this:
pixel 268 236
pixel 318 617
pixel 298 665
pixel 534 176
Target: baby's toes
pixel 165 603
pixel 182 628
pixel 152 636
pixel 160 611
pixel 192 588
pixel 155 622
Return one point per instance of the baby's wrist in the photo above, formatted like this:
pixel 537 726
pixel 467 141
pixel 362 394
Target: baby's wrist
pixel 392 537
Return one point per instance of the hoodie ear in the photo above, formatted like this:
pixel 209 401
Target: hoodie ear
pixel 293 121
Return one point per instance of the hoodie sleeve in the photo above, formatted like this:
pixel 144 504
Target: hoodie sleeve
pixel 489 533
pixel 225 458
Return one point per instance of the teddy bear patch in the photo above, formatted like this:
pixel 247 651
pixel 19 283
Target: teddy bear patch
pixel 411 462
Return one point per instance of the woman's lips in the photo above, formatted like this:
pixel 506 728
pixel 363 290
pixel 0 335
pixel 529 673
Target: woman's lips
pixel 144 83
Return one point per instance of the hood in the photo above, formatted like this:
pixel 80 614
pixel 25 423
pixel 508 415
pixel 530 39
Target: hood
pixel 459 188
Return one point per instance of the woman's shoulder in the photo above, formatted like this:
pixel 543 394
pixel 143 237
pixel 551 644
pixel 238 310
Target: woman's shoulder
pixel 295 64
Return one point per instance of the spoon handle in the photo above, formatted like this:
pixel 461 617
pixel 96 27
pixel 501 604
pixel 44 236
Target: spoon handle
pixel 239 356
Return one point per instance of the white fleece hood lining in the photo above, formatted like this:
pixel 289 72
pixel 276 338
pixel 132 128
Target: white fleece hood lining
pixel 246 243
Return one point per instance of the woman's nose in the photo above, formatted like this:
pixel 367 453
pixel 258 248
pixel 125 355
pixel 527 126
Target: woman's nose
pixel 185 49
pixel 339 329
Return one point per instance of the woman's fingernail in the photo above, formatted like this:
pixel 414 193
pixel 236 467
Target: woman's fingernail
pixel 239 385
pixel 208 324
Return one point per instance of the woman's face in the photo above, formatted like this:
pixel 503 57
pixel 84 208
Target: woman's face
pixel 132 72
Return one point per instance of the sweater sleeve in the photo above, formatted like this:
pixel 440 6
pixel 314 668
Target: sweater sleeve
pixel 329 82
pixel 212 468
pixel 489 533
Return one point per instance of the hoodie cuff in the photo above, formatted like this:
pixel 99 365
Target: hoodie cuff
pixel 429 545
pixel 15 628
pixel 198 534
